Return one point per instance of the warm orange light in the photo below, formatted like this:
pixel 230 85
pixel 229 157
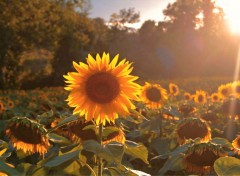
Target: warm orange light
pixel 231 9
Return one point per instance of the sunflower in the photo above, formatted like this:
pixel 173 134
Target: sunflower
pixel 80 131
pixel 192 128
pixel 27 135
pixel 1 106
pixel 173 89
pixel 200 97
pixel 215 97
pixel 187 96
pixel 236 144
pixel 153 95
pixel 236 88
pixel 225 90
pixel 4 173
pixel 200 157
pixel 10 104
pixel 231 107
pixel 102 89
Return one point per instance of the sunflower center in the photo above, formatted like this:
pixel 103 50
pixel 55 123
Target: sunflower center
pixel 200 98
pixel 153 94
pixel 102 87
pixel 224 92
pixel 26 134
pixel 174 89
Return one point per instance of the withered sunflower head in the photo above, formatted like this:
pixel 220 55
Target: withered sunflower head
pixel 192 128
pixel 236 144
pixel 200 157
pixel 173 89
pixel 117 135
pixel 153 95
pixel 27 135
pixel 77 131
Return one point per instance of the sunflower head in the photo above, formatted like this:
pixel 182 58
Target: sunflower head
pixel 27 135
pixel 173 89
pixel 153 95
pixel 200 157
pixel 192 128
pixel 200 97
pixel 187 96
pixel 101 89
pixel 1 106
pixel 10 104
pixel 225 90
pixel 236 88
pixel 215 97
pixel 236 144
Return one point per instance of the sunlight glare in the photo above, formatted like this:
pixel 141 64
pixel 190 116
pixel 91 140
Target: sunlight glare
pixel 231 9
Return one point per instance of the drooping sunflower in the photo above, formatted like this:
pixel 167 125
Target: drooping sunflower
pixel 153 95
pixel 80 131
pixel 215 97
pixel 225 90
pixel 173 89
pixel 200 157
pixel 101 89
pixel 192 128
pixel 200 97
pixel 231 107
pixel 187 96
pixel 27 135
pixel 236 144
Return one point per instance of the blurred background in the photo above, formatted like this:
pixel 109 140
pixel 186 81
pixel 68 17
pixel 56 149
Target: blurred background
pixel 166 39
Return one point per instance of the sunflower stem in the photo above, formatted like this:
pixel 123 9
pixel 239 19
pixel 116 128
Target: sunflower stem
pixel 160 124
pixel 100 130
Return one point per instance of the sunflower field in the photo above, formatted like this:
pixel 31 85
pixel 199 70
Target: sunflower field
pixel 105 122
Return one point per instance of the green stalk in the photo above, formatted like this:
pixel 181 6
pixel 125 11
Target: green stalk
pixel 100 167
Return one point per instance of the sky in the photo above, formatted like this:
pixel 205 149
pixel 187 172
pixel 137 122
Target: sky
pixel 149 9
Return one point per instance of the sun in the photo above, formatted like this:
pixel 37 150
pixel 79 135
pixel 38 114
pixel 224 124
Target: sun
pixel 231 9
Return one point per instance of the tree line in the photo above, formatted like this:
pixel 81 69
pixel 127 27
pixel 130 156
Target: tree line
pixel 40 39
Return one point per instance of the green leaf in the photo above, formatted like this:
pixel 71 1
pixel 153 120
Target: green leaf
pixel 108 131
pixel 136 150
pixel 58 139
pixel 161 145
pixel 2 125
pixel 117 150
pixel 56 161
pixel 222 141
pixel 174 163
pixel 177 151
pixel 7 169
pixel 227 166
pixel 99 150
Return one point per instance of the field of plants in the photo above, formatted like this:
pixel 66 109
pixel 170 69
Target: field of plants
pixel 168 128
